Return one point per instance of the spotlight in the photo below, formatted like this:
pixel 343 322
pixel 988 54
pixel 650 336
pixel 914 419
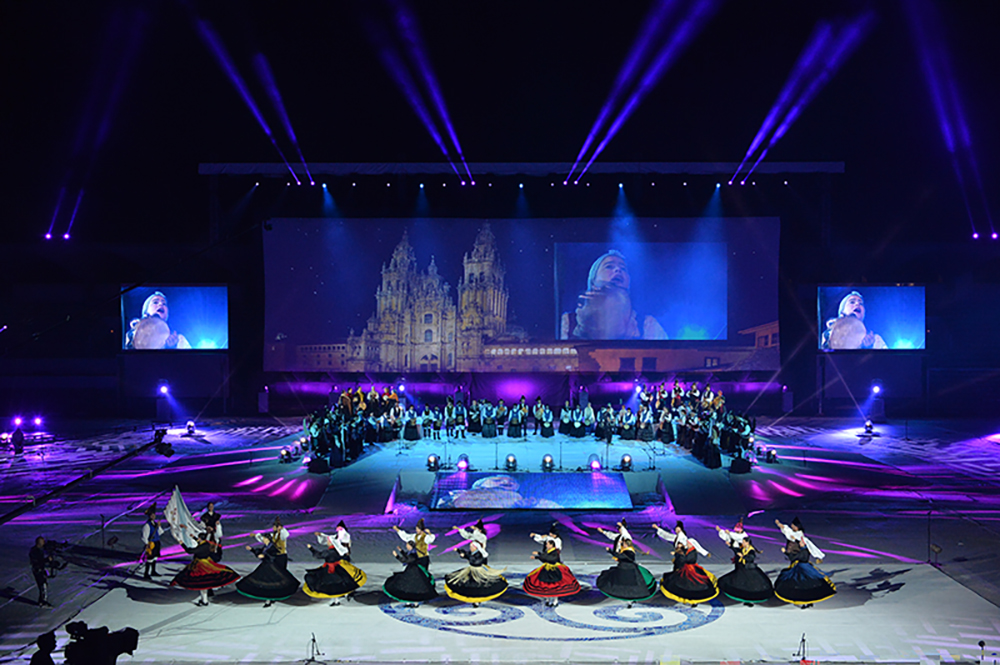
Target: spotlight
pixel 752 439
pixel 164 389
pixel 638 388
pixel 312 183
pixel 190 428
pixel 652 184
pixel 463 183
pixel 444 184
pixel 257 184
pixel 975 236
pixel 433 462
pixel 511 463
pixel 786 182
pixel 730 182
pixel 285 456
pixel 401 387
pixel 324 185
pixel 685 184
pixel 620 185
pixel 473 183
pixel 742 182
pixel 718 184
pixel 388 184
pixel 354 184
pixel 548 464
pixel 421 185
pixel 771 457
pixel 37 421
pixel 876 389
pixel 994 236
pixel 520 185
pixel 594 462
pixel 626 462
pixel 565 182
pixel 18 420
pixel 463 462
pixel 48 236
pixel 66 236
pixel 869 427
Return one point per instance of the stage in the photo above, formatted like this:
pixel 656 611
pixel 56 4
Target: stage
pixel 872 504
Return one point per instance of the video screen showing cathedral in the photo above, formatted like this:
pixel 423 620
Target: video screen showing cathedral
pixel 871 318
pixel 521 295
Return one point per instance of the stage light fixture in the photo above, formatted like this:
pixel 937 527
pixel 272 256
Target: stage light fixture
pixel 994 236
pixel 742 183
pixel 565 182
pixel 65 236
pixel 718 184
pixel 463 183
pixel 388 184
pixel 869 427
pixel 786 182
pixel 324 185
pixel 594 462
pixel 652 184
pixel 626 462
pixel 421 185
pixel 463 462
pixel 473 183
pixel 164 389
pixel 975 236
pixel 312 183
pixel 876 389
pixel 620 185
pixel 257 184
pixel 48 236
pixel 685 184
pixel 638 388
pixel 18 420
pixel 401 387
pixel 520 185
pixel 37 421
pixel 285 456
pixel 771 457
pixel 354 184
pixel 548 463
pixel 190 428
pixel 510 463
pixel 433 462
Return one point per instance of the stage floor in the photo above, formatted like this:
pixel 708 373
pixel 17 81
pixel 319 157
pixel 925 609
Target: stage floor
pixel 873 505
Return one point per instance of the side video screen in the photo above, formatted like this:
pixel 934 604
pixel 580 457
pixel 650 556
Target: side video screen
pixel 175 318
pixel 877 318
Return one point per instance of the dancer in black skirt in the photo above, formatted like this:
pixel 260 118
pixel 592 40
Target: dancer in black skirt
pixel 415 583
pixel 747 583
pixel 553 579
pixel 801 583
pixel 477 582
pixel 628 580
pixel 270 581
pixel 337 577
pixel 688 582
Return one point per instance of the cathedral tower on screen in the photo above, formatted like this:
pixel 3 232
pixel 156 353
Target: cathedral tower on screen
pixel 417 326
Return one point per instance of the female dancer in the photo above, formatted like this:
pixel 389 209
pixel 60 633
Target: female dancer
pixel 337 577
pixel 688 582
pixel 552 580
pixel 801 583
pixel 547 429
pixel 477 582
pixel 414 584
pixel 270 581
pixel 627 580
pixel 747 583
pixel 203 574
pixel 617 537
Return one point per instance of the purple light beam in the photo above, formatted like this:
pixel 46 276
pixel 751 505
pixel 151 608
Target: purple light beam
pixel 214 43
pixel 72 217
pixel 686 31
pixel 267 79
pixel 640 49
pixel 392 61
pixel 408 27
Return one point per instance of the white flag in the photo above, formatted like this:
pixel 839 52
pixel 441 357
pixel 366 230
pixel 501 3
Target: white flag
pixel 178 516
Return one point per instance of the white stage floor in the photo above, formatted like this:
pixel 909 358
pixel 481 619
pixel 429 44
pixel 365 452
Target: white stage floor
pixel 882 613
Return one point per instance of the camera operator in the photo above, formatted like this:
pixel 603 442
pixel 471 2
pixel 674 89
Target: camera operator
pixel 98 646
pixel 41 561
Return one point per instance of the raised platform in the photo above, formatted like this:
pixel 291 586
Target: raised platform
pixel 466 490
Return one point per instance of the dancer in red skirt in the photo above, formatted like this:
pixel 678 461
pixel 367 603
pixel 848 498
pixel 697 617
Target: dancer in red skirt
pixel 688 582
pixel 553 579
pixel 203 574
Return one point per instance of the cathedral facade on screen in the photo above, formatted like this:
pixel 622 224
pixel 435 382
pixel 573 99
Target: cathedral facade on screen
pixel 421 325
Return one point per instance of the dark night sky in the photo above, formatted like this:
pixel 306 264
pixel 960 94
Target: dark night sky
pixel 523 82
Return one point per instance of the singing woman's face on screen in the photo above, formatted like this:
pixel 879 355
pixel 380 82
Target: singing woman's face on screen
pixel 613 272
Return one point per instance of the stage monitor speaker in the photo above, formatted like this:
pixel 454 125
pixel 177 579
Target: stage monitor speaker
pixel 319 465
pixel 739 465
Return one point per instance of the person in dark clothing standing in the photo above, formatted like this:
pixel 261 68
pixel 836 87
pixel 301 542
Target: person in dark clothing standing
pixel 40 561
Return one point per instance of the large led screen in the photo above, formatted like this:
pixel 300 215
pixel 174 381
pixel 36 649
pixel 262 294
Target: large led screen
pixel 878 318
pixel 175 318
pixel 512 295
